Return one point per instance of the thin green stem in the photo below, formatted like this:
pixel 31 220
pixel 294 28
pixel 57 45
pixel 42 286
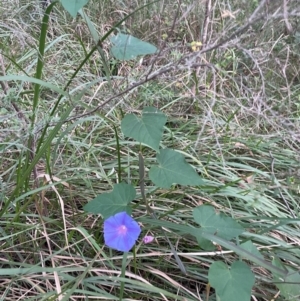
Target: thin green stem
pixel 119 154
pixel 123 275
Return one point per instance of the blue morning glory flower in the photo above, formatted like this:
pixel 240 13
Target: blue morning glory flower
pixel 121 232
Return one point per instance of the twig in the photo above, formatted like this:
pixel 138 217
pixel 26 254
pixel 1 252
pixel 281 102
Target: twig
pixel 206 21
pixel 163 46
pixel 288 25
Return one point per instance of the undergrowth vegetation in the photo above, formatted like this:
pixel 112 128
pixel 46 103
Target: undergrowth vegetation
pixel 183 114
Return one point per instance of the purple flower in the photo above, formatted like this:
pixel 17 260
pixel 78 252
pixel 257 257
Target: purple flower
pixel 148 239
pixel 121 232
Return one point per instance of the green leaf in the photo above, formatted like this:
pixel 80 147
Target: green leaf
pixel 73 6
pixel 250 247
pixel 218 224
pixel 127 47
pixel 205 244
pixel 173 169
pixel 290 290
pixel 108 204
pixel 233 284
pixel 148 129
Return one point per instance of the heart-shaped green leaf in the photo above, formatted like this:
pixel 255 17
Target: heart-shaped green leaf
pixel 108 204
pixel 148 129
pixel 250 247
pixel 218 224
pixel 173 169
pixel 233 284
pixel 73 6
pixel 127 47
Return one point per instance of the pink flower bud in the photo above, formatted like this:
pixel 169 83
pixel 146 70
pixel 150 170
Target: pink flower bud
pixel 148 239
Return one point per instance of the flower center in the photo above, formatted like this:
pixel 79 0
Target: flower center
pixel 122 230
